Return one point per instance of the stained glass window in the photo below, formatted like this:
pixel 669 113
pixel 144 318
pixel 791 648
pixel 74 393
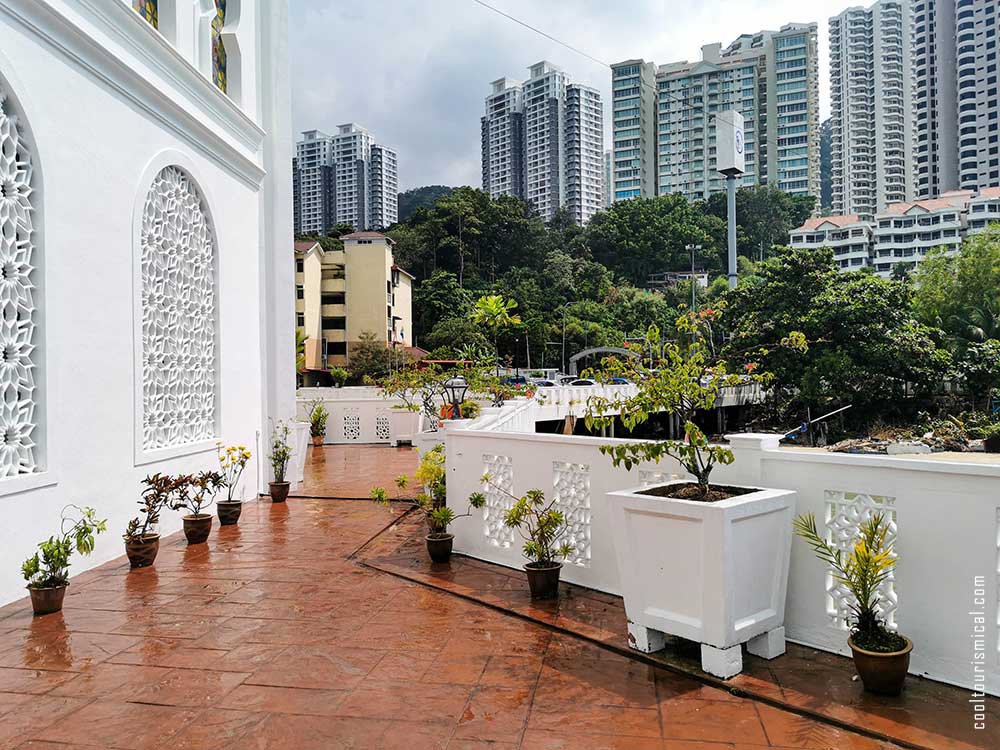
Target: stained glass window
pixel 148 10
pixel 218 48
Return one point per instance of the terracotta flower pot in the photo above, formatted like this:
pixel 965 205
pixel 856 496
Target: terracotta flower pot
pixel 439 547
pixel 279 491
pixel 543 579
pixel 46 601
pixel 141 554
pixel 229 512
pixel 318 440
pixel 197 528
pixel 882 673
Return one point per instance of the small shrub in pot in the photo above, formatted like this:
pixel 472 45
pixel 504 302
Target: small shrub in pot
pixel 142 538
pixel 281 454
pixel 232 461
pixel 881 656
pixel 431 502
pixel 47 571
pixel 542 527
pixel 194 492
pixel 338 376
pixel 318 415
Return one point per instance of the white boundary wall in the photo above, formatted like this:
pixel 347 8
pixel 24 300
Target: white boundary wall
pixel 946 517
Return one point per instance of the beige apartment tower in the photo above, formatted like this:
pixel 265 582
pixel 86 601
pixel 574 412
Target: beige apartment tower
pixel 340 294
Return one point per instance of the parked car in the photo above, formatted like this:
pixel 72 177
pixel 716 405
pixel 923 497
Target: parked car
pixel 543 383
pixel 619 381
pixel 514 380
pixel 567 379
pixel 582 381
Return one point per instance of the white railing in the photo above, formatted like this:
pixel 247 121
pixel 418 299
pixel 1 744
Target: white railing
pixel 357 415
pixel 945 516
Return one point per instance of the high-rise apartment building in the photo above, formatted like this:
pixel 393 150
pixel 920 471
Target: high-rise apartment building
pixel 955 97
pixel 503 140
pixel 344 178
pixel 871 108
pixel 770 78
pixel 633 116
pixel 543 141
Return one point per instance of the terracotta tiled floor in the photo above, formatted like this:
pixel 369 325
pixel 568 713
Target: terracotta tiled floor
pixel 350 471
pixel 268 637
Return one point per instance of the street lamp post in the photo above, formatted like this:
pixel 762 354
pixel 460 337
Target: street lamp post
pixel 693 249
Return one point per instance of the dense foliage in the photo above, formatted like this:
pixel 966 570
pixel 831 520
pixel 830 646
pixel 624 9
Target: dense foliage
pixel 410 201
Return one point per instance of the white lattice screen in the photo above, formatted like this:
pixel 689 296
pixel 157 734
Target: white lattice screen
pixel 179 368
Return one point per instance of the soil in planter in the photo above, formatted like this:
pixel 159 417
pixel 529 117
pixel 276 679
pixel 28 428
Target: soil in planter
pixel 884 642
pixel 691 491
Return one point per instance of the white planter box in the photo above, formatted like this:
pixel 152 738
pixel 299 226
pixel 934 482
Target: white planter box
pixel 403 425
pixel 715 573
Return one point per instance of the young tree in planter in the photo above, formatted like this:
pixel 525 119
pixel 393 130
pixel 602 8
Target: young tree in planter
pixel 431 502
pixel 233 460
pixel 679 378
pixel 318 415
pixel 142 539
pixel 281 454
pixel 47 571
pixel 193 492
pixel 881 656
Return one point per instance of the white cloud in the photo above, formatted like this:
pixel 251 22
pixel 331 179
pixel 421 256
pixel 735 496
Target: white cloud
pixel 415 72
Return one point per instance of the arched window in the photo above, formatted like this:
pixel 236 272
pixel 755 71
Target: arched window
pixel 178 310
pixel 149 10
pixel 20 412
pixel 219 46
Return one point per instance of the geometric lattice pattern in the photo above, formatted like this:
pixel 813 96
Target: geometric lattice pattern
pixel 846 512
pixel 178 314
pixel 17 300
pixel 571 485
pixel 352 424
pixel 648 478
pixel 382 431
pixel 501 473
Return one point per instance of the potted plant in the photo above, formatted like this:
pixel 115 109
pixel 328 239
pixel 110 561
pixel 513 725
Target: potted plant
pixel 338 376
pixel 542 527
pixel 318 415
pixel 194 492
pixel 469 409
pixel 430 475
pixel 881 656
pixel 991 438
pixel 727 539
pixel 47 573
pixel 415 388
pixel 281 454
pixel 232 461
pixel 142 540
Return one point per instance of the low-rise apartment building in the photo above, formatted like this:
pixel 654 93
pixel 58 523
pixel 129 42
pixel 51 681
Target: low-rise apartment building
pixel 340 294
pixel 904 233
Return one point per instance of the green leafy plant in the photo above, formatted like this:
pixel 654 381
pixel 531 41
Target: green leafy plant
pixel 339 376
pixel 680 378
pixel 539 523
pixel 281 451
pixel 233 460
pixel 49 567
pixel 318 415
pixel 195 491
pixel 431 476
pixel 469 409
pixel 862 571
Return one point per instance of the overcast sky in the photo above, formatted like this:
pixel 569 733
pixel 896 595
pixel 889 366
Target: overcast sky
pixel 416 72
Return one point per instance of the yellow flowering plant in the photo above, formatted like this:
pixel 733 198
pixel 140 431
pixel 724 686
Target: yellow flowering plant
pixel 233 460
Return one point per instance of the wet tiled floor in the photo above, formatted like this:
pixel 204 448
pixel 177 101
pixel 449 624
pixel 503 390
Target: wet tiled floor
pixel 350 471
pixel 272 636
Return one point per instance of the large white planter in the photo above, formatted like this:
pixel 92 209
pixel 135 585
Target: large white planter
pixel 403 425
pixel 715 573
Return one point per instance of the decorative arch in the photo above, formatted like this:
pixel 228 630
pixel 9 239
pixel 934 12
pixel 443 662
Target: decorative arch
pixel 573 366
pixel 177 314
pixel 22 428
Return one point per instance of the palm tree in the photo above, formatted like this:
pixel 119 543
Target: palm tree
pixel 496 314
pixel 300 350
